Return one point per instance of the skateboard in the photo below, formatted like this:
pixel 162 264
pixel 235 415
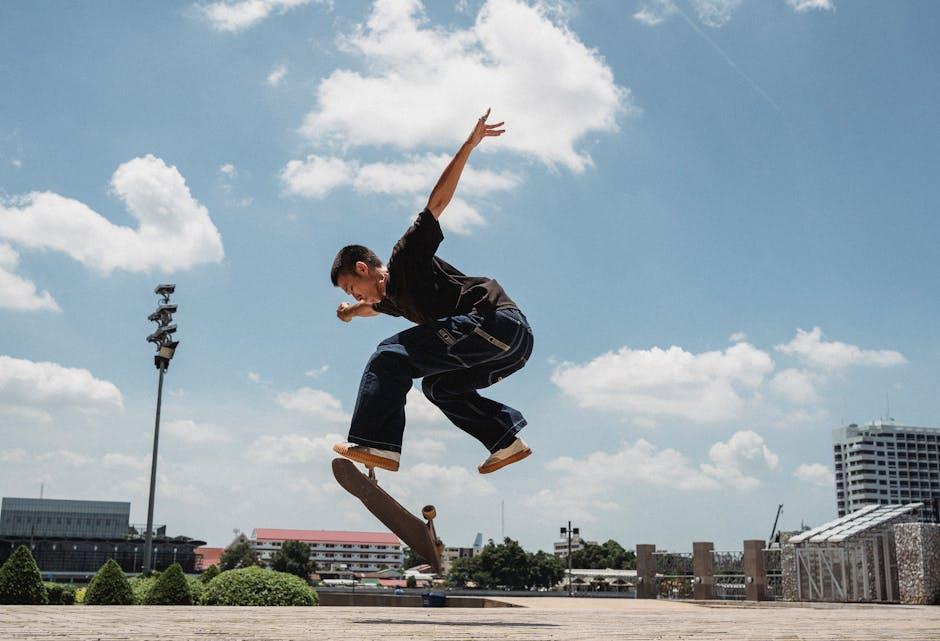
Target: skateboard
pixel 417 534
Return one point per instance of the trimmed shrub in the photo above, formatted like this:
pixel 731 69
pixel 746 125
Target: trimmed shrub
pixel 171 588
pixel 142 584
pixel 60 593
pixel 20 581
pixel 80 595
pixel 257 586
pixel 110 587
pixel 196 587
pixel 211 572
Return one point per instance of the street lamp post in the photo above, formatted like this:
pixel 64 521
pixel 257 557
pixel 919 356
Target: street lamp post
pixel 569 531
pixel 166 347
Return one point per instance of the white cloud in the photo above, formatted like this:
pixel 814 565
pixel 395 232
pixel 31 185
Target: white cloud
pixel 803 6
pixel 743 452
pixel 424 449
pixel 254 377
pixel 293 448
pixel 121 460
pixel 16 455
pixel 835 355
pixel 17 163
pixel 432 83
pixel 228 170
pixel 419 409
pixel 197 433
pixel 277 75
pixel 713 13
pixel 414 177
pixel 314 373
pixel 57 457
pixel 586 488
pixel 815 474
pixel 314 402
pixel 795 385
pixel 174 230
pixel 429 480
pixel 705 387
pixel 18 293
pixel 43 386
pixel 737 337
pixel 239 15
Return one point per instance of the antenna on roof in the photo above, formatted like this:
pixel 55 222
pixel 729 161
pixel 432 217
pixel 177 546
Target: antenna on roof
pixel 42 487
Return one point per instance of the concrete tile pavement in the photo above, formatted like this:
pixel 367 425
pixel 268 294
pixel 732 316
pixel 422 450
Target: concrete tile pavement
pixel 541 618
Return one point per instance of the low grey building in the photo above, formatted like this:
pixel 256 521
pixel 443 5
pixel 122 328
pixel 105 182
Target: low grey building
pixel 64 518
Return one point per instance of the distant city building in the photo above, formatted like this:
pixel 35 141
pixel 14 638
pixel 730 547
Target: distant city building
pixel 884 463
pixel 206 556
pixel 358 551
pixel 71 540
pixel 577 543
pixel 64 518
pixel 452 554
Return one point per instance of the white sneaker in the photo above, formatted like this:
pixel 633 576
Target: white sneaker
pixel 369 456
pixel 515 451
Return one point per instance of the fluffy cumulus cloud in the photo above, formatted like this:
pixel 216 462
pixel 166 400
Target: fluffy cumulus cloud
pixel 314 402
pixel 43 387
pixel 733 461
pixel 420 410
pixel 704 387
pixel 431 82
pixel 796 385
pixel 588 487
pixel 174 231
pixel 197 433
pixel 815 474
pixel 16 292
pixel 238 15
pixel 293 448
pixel 835 355
pixel 412 178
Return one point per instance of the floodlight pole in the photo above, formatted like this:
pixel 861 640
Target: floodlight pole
pixel 148 539
pixel 166 347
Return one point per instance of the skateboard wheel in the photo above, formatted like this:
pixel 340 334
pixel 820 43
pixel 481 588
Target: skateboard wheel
pixel 428 512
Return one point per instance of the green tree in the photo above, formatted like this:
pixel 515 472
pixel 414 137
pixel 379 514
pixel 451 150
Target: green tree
pixel 171 588
pixel 20 580
pixel 239 554
pixel 110 587
pixel 607 555
pixel 411 582
pixel 464 570
pixel 411 559
pixel 545 570
pixel 294 558
pixel 257 586
pixel 210 573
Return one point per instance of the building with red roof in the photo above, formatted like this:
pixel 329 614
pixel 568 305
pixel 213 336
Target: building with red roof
pixel 331 549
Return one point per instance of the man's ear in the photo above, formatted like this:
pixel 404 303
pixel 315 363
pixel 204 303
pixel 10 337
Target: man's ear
pixel 361 268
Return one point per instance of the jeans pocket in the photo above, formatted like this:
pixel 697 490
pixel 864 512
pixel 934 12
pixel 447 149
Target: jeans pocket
pixel 471 345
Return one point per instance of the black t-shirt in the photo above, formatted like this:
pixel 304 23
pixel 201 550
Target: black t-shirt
pixel 422 287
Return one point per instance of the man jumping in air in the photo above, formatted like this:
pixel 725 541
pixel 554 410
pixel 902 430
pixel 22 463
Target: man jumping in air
pixel 469 334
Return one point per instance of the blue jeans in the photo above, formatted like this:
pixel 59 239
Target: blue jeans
pixel 455 356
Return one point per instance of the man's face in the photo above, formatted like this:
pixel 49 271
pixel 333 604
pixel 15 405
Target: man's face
pixel 363 285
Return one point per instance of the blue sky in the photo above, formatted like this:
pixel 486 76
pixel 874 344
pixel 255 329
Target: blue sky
pixel 718 216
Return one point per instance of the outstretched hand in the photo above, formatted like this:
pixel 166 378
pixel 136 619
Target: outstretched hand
pixel 481 130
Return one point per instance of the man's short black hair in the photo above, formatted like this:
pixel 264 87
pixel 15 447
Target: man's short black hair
pixel 346 259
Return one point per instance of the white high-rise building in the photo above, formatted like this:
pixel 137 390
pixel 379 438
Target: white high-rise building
pixel 885 463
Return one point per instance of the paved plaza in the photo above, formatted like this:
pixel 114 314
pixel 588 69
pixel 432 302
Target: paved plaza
pixel 540 618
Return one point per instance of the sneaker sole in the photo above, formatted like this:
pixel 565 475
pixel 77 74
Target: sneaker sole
pixel 369 460
pixel 498 465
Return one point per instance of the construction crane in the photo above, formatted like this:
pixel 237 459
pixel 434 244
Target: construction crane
pixel 773 530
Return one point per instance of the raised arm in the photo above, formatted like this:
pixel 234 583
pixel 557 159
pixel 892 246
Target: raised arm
pixel 347 311
pixel 447 184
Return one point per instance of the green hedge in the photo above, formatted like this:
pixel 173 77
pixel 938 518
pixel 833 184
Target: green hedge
pixel 142 584
pixel 60 593
pixel 171 588
pixel 20 581
pixel 257 586
pixel 110 587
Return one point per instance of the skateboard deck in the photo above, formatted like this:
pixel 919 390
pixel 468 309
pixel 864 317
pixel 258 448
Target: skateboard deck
pixel 417 534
